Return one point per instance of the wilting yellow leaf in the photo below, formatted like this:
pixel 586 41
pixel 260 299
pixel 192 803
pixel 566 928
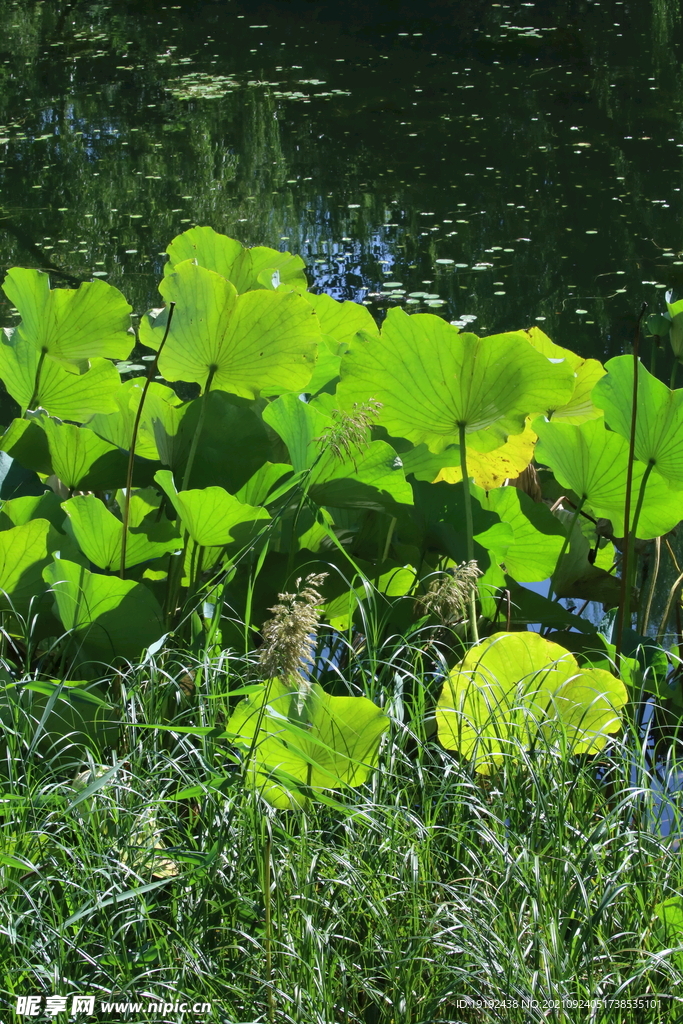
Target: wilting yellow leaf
pixel 492 469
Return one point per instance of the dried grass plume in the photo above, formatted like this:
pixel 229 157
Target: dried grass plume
pixel 289 637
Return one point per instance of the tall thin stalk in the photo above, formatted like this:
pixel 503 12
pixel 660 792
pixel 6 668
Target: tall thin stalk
pixel 625 564
pixel 151 374
pixel 469 529
pixel 36 385
pixel 198 429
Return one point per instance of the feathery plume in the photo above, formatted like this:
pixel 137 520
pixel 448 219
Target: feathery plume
pixel 448 595
pixel 289 637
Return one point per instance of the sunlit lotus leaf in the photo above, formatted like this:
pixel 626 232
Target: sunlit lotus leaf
pixel 25 441
pixel 488 469
pixel 269 482
pixel 18 511
pixel 247 343
pixel 519 689
pixel 209 515
pixel 588 372
pixel 99 534
pixel 537 536
pixel 659 416
pixel 24 553
pixel 81 459
pixel 430 379
pixel 675 310
pixel 117 427
pixel 335 749
pixel 63 393
pixel 70 325
pixel 246 269
pixel 110 618
pixel 593 462
pixel 369 476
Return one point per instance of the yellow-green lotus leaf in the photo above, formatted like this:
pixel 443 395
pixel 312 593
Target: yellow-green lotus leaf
pixel 520 690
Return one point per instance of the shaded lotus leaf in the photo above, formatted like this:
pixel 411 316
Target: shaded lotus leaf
pixel 301 426
pixel 391 581
pixel 576 576
pixel 659 416
pixel 26 442
pixel 246 269
pixel 588 372
pixel 270 481
pixel 70 325
pixel 24 552
pixel 110 618
pixel 675 310
pixel 99 534
pixel 518 689
pixel 209 515
pixel 247 343
pixel 288 762
pixel 439 514
pixel 537 536
pixel 63 393
pixel 117 426
pixel 529 608
pixel 593 462
pixel 17 481
pixel 430 379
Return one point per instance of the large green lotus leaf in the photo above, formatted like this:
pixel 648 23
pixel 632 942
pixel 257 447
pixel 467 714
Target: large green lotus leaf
pixel 25 441
pixel 391 581
pixel 537 536
pixel 659 416
pixel 338 747
pixel 249 342
pixel 17 481
pixel 233 443
pixel 209 515
pixel 593 462
pixel 430 379
pixel 71 396
pixel 529 607
pixel 24 553
pixel 110 618
pixel 18 511
pixel 439 514
pixel 588 372
pixel 518 689
pixel 576 575
pixel 81 459
pixel 270 481
pixel 339 323
pixel 99 535
pixel 373 478
pixel 117 426
pixel 245 268
pixel 300 425
pixel 70 325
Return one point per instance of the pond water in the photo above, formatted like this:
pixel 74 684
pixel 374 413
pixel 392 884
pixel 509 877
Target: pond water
pixel 500 165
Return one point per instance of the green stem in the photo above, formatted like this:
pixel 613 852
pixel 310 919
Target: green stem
pixel 469 529
pixel 625 567
pixel 268 924
pixel 629 563
pixel 198 430
pixel 674 371
pixel 565 544
pixel 151 373
pixel 645 622
pixel 36 386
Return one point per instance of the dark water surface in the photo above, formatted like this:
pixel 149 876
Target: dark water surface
pixel 510 163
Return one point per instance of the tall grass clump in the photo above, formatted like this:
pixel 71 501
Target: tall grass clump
pixel 430 893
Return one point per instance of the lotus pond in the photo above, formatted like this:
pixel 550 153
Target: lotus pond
pixel 341 606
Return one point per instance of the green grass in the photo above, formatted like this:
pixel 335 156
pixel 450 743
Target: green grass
pixel 431 888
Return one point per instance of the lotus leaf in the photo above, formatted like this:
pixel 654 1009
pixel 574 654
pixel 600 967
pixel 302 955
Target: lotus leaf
pixel 588 372
pixel 99 534
pixel 286 762
pixel 63 393
pixel 24 552
pixel 242 344
pixel 70 325
pixel 246 269
pixel 659 416
pixel 117 427
pixel 431 379
pixel 519 688
pixel 537 536
pixel 110 618
pixel 593 462
pixel 209 515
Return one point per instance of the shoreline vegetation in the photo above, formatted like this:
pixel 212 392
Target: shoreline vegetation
pixel 286 728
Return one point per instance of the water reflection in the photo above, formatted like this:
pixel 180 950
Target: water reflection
pixel 519 162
